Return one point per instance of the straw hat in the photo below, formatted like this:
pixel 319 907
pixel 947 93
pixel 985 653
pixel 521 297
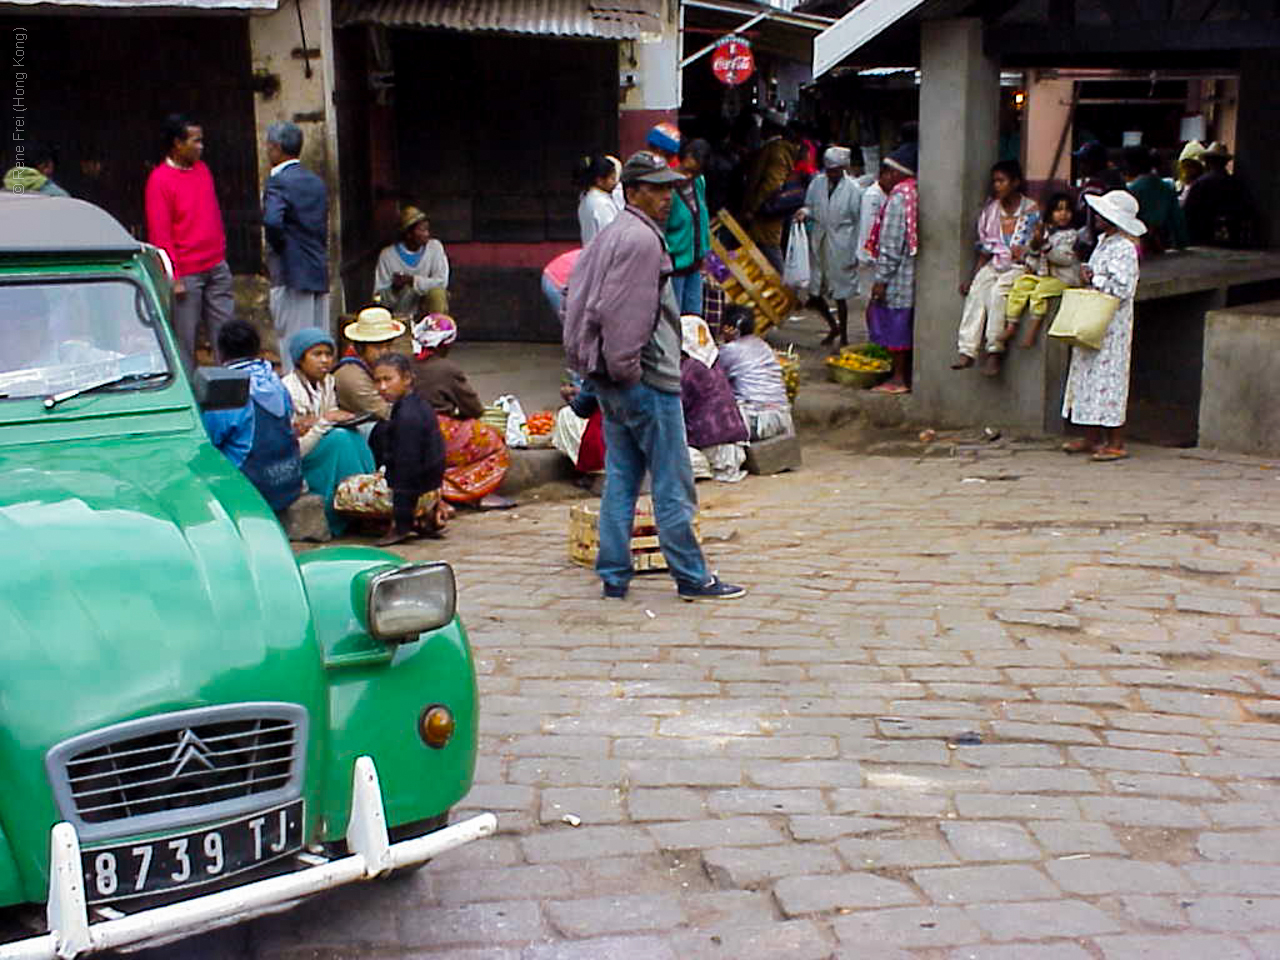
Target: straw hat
pixel 410 217
pixel 373 325
pixel 1192 151
pixel 1119 207
pixel 1217 149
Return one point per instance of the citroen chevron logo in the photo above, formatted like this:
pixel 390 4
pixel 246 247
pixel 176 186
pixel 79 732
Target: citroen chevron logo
pixel 190 749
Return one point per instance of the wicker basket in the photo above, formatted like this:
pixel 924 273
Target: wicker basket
pixel 858 379
pixel 646 555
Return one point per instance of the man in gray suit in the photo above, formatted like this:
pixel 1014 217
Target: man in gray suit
pixel 296 216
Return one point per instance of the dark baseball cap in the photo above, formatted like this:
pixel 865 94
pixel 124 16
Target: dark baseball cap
pixel 1094 150
pixel 646 167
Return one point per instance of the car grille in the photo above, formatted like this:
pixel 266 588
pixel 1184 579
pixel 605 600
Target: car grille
pixel 180 767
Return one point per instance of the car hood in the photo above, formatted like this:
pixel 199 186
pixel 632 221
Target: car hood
pixel 141 575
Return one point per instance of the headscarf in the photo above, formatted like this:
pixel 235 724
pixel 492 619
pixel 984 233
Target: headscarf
pixel 836 157
pixel 696 339
pixel 305 339
pixel 431 332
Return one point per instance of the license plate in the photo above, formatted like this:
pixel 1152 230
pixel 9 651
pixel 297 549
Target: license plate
pixel 191 859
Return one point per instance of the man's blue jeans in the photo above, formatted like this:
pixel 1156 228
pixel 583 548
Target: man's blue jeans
pixel 688 290
pixel 644 428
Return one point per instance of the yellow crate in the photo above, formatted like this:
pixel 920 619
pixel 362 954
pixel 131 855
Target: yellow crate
pixel 646 555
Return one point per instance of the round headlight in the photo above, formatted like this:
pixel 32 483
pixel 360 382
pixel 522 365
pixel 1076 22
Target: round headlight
pixel 436 726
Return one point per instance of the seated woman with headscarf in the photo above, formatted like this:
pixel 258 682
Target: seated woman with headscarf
pixel 476 456
pixel 753 371
pixel 330 452
pixel 712 420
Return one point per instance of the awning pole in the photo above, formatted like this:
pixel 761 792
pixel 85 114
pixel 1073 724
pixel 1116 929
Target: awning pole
pixel 711 46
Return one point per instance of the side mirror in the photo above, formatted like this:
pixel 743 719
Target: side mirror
pixel 218 388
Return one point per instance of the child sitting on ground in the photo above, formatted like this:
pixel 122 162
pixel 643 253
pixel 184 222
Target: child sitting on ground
pixel 1053 266
pixel 409 445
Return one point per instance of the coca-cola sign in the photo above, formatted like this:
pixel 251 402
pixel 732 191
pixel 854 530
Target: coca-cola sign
pixel 732 62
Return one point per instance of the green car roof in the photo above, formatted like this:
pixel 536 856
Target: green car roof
pixel 37 224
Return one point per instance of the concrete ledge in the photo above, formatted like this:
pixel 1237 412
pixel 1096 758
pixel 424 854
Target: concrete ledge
pixel 533 468
pixel 1238 410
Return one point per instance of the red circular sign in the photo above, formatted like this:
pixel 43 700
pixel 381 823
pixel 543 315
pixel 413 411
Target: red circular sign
pixel 732 62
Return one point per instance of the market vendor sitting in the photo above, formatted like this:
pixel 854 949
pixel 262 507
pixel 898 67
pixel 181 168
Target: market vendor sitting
pixel 712 420
pixel 755 375
pixel 476 456
pixel 412 277
pixel 330 451
pixel 370 336
pixel 258 437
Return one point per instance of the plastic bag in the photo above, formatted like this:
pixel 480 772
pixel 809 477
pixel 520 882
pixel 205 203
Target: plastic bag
pixel 515 433
pixel 795 272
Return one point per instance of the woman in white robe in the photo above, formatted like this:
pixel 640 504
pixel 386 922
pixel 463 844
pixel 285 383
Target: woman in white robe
pixel 832 208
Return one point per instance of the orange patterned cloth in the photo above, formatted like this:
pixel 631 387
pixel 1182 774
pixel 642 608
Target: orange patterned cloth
pixel 475 461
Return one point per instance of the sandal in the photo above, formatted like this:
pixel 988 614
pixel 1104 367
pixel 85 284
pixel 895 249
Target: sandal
pixel 891 388
pixel 1107 454
pixel 1077 446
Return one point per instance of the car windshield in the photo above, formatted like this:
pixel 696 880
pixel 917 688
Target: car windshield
pixel 56 337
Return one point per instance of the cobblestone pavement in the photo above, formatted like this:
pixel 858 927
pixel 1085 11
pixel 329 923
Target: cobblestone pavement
pixel 1020 707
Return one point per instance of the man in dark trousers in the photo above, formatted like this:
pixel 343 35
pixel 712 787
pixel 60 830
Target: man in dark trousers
pixel 622 328
pixel 295 212
pixel 184 220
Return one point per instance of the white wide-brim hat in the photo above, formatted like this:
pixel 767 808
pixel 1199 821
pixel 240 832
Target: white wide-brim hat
pixel 374 325
pixel 1119 207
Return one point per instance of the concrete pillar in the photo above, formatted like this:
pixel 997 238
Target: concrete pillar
pixel 959 105
pixel 305 100
pixel 1048 115
pixel 654 65
pixel 1257 146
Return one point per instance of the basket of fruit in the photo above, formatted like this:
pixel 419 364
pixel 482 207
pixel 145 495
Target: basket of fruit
pixel 538 427
pixel 790 364
pixel 858 367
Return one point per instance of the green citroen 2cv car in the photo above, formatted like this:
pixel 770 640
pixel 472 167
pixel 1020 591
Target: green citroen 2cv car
pixel 196 727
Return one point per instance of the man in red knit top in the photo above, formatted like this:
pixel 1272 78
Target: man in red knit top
pixel 184 219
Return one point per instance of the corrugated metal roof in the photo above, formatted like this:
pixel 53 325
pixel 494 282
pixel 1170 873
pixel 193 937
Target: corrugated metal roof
pixel 606 19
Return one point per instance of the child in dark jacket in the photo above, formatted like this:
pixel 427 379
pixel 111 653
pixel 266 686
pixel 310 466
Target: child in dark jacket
pixel 409 445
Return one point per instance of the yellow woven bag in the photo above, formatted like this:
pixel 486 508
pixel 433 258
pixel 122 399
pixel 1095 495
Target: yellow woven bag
pixel 1084 316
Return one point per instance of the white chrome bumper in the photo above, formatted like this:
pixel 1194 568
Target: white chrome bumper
pixel 72 935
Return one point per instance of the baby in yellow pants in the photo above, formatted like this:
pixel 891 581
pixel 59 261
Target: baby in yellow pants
pixel 1052 264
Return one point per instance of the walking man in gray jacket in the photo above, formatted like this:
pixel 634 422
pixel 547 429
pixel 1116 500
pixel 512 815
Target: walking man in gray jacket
pixel 622 330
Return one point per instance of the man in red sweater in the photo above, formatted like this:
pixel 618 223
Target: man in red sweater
pixel 183 218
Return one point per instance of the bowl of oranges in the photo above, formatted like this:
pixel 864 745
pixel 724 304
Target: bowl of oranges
pixel 859 367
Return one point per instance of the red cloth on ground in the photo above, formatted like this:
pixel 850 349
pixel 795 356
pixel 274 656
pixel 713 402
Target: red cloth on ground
pixel 591 452
pixel 183 217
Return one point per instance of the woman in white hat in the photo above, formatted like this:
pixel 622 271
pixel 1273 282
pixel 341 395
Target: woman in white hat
pixel 371 336
pixel 1097 395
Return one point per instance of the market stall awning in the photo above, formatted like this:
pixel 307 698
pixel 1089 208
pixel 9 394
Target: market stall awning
pixel 603 19
pixel 157 6
pixel 856 28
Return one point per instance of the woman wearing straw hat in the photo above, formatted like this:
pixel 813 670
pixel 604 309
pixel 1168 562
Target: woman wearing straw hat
pixel 412 277
pixel 371 336
pixel 1097 394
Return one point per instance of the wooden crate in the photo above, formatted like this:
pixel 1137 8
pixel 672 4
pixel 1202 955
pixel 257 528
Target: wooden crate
pixel 753 281
pixel 646 555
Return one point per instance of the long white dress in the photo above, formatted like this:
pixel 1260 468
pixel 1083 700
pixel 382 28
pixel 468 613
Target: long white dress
pixel 833 238
pixel 1097 392
pixel 873 199
pixel 596 211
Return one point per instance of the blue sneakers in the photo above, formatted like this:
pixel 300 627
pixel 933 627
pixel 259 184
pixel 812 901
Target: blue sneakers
pixel 713 589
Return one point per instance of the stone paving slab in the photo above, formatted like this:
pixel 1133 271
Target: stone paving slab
pixel 955 719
